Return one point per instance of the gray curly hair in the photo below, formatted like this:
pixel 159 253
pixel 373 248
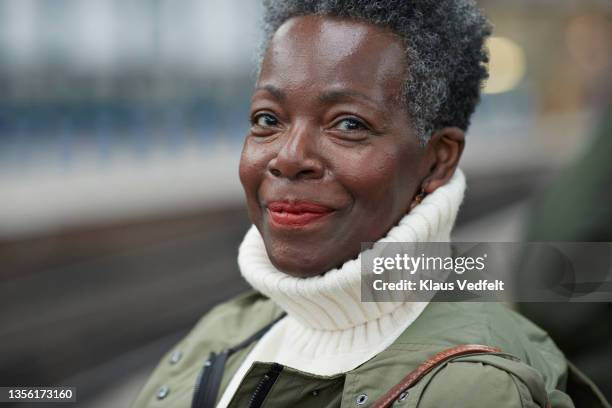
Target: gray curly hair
pixel 445 50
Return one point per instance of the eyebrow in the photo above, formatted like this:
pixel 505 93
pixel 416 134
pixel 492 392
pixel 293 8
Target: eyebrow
pixel 325 97
pixel 337 95
pixel 276 92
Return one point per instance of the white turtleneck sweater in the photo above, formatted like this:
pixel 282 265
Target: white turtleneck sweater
pixel 328 330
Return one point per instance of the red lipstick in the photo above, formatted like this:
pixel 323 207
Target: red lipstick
pixel 297 213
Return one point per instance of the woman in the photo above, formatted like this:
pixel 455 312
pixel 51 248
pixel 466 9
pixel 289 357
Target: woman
pixel 358 121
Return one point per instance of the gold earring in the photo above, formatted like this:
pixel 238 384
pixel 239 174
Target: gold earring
pixel 418 198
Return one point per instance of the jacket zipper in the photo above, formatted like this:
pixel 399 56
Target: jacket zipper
pixel 209 379
pixel 265 385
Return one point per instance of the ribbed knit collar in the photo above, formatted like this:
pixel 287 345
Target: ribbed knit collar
pixel 332 301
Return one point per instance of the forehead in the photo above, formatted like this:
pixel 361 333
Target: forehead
pixel 323 51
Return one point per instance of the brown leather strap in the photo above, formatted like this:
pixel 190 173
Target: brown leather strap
pixel 386 400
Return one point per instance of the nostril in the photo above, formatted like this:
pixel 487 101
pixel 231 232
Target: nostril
pixel 275 172
pixel 306 174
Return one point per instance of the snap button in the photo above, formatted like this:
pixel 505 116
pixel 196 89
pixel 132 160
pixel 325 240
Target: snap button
pixel 361 399
pixel 163 392
pixel 176 357
pixel 314 393
pixel 402 396
pixel 207 363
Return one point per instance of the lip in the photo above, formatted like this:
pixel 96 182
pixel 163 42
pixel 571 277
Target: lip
pixel 296 213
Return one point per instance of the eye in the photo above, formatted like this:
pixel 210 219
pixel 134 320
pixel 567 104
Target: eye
pixel 264 120
pixel 350 124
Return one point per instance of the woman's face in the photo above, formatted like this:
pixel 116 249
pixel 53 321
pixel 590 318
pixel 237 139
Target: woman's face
pixel 331 159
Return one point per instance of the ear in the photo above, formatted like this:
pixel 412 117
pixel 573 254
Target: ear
pixel 444 149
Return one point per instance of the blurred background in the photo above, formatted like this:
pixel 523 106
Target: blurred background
pixel 121 125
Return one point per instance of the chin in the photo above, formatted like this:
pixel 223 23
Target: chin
pixel 294 263
pixel 307 259
pixel 297 269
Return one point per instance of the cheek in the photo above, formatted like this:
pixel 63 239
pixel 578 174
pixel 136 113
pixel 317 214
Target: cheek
pixel 246 173
pixel 381 180
pixel 252 167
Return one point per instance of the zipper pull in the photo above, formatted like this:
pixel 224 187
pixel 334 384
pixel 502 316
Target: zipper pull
pixel 265 385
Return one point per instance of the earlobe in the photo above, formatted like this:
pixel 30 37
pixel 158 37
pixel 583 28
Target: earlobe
pixel 418 198
pixel 446 146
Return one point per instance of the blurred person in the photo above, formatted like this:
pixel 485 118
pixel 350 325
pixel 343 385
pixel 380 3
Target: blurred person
pixel 577 207
pixel 358 123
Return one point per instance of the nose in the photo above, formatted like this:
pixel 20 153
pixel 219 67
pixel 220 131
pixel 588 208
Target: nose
pixel 298 158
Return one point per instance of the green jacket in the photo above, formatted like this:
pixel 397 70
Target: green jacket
pixel 469 381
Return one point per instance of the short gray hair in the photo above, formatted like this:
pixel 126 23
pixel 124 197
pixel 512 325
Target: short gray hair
pixel 445 50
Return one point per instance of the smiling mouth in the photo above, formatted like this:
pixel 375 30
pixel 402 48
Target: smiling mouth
pixel 296 214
